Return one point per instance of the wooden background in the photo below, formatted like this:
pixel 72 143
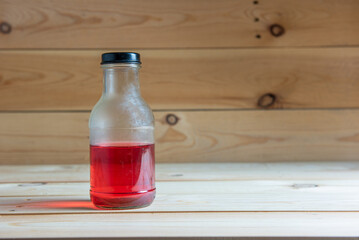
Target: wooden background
pixel 230 80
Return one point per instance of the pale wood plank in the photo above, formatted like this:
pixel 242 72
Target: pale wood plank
pixel 173 24
pixel 192 172
pixel 199 136
pixel 182 225
pixel 188 196
pixel 186 79
pixel 188 206
pixel 45 173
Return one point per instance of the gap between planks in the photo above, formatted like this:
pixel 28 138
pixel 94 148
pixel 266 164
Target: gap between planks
pixel 100 211
pixel 191 110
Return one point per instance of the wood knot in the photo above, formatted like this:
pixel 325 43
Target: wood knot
pixel 31 184
pixel 267 100
pixel 5 27
pixel 304 185
pixel 176 175
pixel 171 119
pixel 276 30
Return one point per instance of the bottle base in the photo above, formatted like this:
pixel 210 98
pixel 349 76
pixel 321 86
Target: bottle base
pixel 122 200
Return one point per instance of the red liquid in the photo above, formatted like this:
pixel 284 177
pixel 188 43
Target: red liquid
pixel 122 175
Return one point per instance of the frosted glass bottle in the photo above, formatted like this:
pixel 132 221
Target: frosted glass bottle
pixel 121 138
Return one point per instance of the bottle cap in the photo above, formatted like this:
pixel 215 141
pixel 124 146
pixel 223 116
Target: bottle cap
pixel 120 57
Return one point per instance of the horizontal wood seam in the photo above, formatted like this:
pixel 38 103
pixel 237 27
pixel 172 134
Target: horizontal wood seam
pixel 182 212
pixel 181 48
pixel 186 110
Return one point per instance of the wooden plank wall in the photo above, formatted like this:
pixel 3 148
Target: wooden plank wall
pixel 265 80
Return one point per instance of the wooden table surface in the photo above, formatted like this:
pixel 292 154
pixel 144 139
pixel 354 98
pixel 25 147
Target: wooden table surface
pixel 193 200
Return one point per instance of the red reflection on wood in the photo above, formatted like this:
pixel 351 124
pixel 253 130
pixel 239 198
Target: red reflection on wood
pixel 62 204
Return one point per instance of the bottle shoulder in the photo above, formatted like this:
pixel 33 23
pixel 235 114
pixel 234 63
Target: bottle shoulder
pixel 114 112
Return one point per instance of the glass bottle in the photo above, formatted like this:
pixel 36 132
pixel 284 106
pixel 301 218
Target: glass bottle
pixel 121 138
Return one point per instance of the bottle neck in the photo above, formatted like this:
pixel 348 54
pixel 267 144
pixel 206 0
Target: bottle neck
pixel 121 80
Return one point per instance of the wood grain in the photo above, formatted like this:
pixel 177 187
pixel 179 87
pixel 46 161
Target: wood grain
pixel 191 196
pixel 299 207
pixel 187 79
pixel 232 224
pixel 192 172
pixel 199 136
pixel 177 24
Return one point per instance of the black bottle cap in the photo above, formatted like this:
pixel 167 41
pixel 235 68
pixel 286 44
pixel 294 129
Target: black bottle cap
pixel 120 57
